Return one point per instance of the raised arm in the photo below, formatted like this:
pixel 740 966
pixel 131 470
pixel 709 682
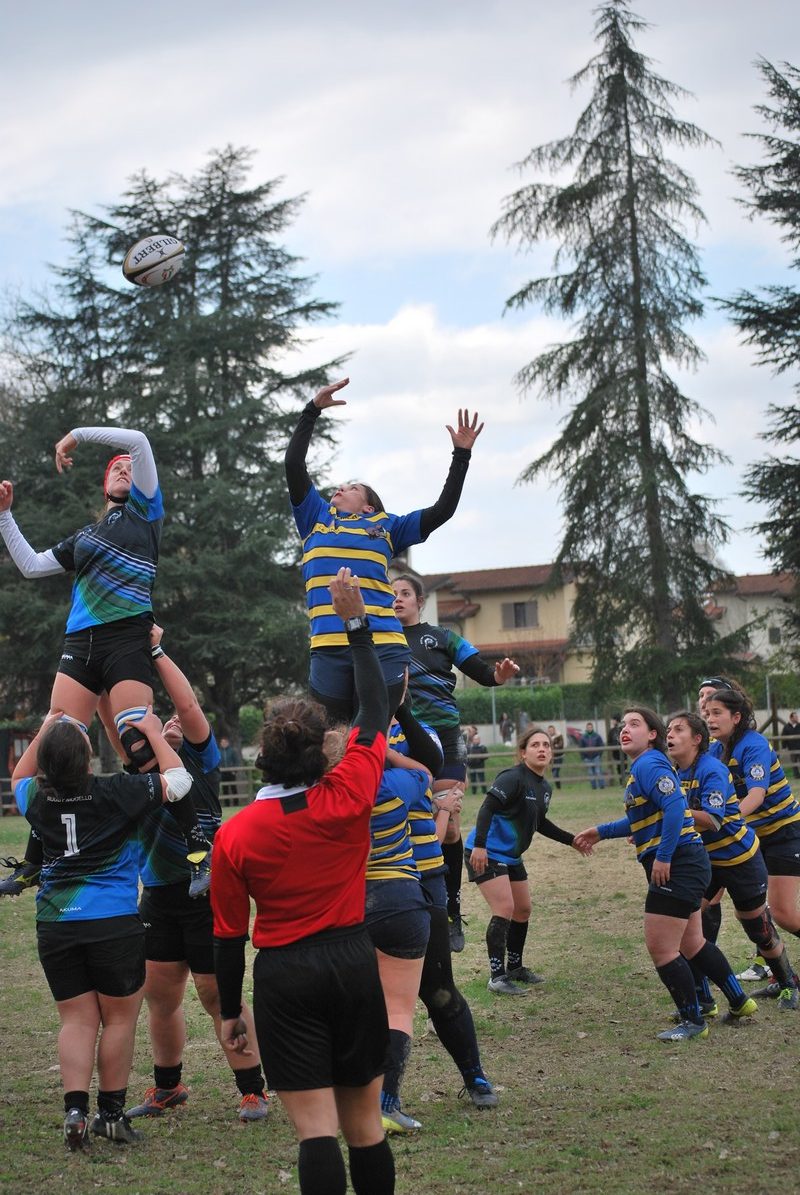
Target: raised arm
pixel 373 700
pixel 297 475
pixel 30 563
pixel 144 474
pixel 194 723
pixel 445 505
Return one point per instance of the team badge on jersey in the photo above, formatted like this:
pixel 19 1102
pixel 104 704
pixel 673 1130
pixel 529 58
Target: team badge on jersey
pixel 666 785
pixel 757 772
pixel 716 800
pixel 428 642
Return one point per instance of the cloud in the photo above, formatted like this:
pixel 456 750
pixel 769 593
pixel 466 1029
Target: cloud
pixel 409 377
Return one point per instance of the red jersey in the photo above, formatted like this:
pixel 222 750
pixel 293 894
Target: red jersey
pixel 301 854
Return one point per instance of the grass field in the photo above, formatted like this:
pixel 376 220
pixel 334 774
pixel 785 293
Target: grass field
pixel 590 1100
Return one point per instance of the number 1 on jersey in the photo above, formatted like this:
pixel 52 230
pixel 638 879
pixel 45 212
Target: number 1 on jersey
pixel 72 835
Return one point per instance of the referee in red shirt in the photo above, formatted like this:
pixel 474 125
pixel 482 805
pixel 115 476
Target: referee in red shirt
pixel 300 852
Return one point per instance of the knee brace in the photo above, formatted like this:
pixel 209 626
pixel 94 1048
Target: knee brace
pixel 761 930
pixel 138 749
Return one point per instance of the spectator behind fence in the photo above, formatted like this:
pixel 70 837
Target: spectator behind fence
pixel 790 741
pixel 591 745
pixel 557 743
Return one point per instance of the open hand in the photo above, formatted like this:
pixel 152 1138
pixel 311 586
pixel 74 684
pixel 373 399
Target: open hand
pixel 468 431
pixel 346 595
pixel 504 670
pixel 325 397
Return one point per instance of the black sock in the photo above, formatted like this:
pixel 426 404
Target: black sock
pixel 677 978
pixel 77 1099
pixel 700 983
pixel 457 1035
pixel 496 938
pixel 320 1167
pixel 515 945
pixel 250 1080
pixel 453 853
pixel 782 970
pixel 712 962
pixel 372 1169
pixel 399 1051
pixel 167 1076
pixel 185 815
pixel 112 1103
pixel 712 920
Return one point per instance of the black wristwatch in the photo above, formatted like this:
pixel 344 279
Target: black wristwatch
pixel 359 623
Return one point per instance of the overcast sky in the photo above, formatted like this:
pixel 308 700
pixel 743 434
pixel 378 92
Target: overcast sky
pixel 401 124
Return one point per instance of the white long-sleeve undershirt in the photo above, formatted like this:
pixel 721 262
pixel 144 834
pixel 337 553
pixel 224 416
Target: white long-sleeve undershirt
pixel 143 466
pixel 30 563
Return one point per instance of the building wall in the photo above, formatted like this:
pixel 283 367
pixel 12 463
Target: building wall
pixel 739 610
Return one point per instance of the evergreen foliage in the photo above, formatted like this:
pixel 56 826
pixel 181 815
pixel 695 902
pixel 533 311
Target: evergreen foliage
pixel 199 366
pixel 770 321
pixel 636 536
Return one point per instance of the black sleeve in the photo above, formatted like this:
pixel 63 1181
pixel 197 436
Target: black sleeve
pixel 477 669
pixel 551 830
pixel 491 805
pixel 229 968
pixel 295 459
pixel 372 717
pixel 445 505
pixel 421 746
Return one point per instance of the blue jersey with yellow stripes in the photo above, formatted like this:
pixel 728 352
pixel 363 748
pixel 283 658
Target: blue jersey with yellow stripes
pixel 708 785
pixel 391 856
pixel 365 543
pixel 753 764
pixel 421 814
pixel 656 813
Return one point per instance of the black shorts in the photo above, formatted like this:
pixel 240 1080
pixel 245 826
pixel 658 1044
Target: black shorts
pixel 319 1012
pixel 105 956
pixel 746 883
pixel 514 871
pixel 689 877
pixel 782 857
pixel 102 656
pixel 397 919
pixel 178 929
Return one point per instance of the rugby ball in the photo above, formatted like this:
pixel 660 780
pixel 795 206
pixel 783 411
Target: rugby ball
pixel 153 260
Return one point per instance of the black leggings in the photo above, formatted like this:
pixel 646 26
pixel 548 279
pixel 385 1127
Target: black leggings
pixel 446 1007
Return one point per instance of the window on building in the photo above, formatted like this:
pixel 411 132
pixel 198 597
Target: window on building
pixel 774 634
pixel 520 614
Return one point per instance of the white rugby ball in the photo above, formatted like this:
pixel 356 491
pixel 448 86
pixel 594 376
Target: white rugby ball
pixel 153 260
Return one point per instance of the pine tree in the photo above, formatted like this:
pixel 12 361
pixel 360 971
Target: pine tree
pixel 635 535
pixel 197 364
pixel 771 322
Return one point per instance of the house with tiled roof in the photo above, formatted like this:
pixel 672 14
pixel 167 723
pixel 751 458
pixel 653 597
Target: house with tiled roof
pixel 755 600
pixel 511 612
pixel 515 612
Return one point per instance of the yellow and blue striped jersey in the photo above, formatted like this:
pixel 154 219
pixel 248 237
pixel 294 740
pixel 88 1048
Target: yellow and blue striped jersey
pixel 365 543
pixel 656 814
pixel 753 764
pixel 391 856
pixel 709 786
